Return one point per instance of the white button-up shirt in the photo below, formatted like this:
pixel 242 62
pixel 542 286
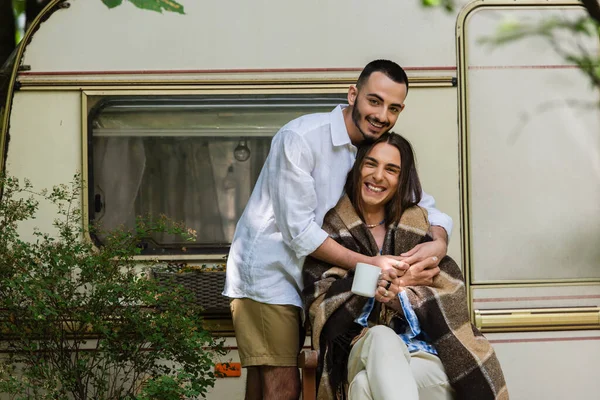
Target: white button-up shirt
pixel 303 178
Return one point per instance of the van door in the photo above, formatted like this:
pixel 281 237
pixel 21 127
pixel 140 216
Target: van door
pixel 530 199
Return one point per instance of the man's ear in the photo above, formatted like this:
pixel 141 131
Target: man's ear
pixel 352 94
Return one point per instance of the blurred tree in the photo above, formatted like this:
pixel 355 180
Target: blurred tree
pixel 553 30
pixel 7 29
pixel 32 9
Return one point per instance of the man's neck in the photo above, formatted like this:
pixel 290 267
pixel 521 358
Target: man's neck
pixel 355 136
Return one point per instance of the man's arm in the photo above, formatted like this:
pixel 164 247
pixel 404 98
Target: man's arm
pixel 425 257
pixel 334 253
pixel 435 216
pixel 293 193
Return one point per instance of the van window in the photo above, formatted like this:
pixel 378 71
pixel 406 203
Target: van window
pixel 194 159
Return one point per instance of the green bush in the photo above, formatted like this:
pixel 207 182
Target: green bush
pixel 82 322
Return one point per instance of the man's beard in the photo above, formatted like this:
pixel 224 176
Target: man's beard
pixel 356 118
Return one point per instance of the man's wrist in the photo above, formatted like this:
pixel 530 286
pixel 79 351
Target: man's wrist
pixel 354 258
pixel 361 258
pixel 439 233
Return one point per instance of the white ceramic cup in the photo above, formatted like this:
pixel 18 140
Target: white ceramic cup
pixel 365 279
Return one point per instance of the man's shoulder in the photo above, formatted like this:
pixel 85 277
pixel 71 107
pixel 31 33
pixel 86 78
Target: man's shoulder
pixel 307 124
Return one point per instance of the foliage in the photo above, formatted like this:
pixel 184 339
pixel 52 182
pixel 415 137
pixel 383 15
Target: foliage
pixel 567 38
pixel 448 5
pixel 82 322
pixel 154 5
pixel 19 11
pixel 18 6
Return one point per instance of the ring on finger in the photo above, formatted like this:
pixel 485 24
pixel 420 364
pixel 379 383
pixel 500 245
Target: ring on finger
pixel 385 294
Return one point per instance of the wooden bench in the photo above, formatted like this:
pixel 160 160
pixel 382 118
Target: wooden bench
pixel 307 362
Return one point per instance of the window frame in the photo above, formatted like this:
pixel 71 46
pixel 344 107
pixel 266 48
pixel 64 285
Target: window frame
pixel 94 101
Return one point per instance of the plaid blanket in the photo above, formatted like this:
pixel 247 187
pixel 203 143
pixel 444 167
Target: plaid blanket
pixel 468 358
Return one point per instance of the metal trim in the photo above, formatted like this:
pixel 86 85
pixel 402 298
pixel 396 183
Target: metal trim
pixel 506 283
pixel 215 84
pixel 548 319
pixel 552 284
pixel 463 131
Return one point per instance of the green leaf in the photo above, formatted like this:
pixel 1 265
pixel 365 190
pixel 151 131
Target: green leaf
pixel 18 6
pixel 159 5
pixel 112 3
pixel 448 5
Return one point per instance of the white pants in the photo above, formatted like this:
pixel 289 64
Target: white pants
pixel 381 368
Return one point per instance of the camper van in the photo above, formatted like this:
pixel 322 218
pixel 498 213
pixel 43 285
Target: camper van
pixel 174 113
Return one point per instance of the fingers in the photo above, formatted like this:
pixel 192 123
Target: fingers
pixel 401 265
pixel 430 251
pixel 398 281
pixel 388 262
pixel 384 283
pixel 384 295
pixel 433 272
pixel 383 299
pixel 418 277
pixel 412 251
pixel 418 258
pixel 427 263
pixel 392 274
pixel 427 274
pixel 397 258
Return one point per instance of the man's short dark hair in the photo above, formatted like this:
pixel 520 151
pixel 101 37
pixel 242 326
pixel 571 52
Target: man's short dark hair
pixel 389 68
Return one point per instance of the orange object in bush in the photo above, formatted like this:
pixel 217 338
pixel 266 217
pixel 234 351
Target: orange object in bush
pixel 225 370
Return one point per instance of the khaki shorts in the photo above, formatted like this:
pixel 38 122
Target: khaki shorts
pixel 267 334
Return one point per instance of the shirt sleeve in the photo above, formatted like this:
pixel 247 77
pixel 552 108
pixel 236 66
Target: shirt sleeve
pixel 293 193
pixel 435 216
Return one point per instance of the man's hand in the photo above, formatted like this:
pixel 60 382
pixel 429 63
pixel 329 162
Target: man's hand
pixel 424 259
pixel 425 255
pixel 416 277
pixel 392 268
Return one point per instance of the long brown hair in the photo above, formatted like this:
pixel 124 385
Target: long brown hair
pixel 409 186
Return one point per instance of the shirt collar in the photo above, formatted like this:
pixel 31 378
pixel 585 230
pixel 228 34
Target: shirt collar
pixel 339 133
